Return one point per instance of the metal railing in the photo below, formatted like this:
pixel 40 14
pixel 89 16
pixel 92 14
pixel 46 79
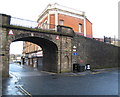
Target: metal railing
pixel 31 24
pixel 47 26
pixel 44 26
pixel 23 22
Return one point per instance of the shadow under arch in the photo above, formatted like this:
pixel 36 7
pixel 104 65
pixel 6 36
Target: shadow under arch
pixel 50 52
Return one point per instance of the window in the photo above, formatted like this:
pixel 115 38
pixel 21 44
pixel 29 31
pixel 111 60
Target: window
pixel 45 25
pixel 61 22
pixel 80 28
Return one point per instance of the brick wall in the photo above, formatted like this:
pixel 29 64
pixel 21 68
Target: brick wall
pixel 46 18
pixel 30 47
pixel 88 28
pixel 71 22
pixel 52 21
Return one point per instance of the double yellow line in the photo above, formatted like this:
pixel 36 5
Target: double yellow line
pixel 21 89
pixel 95 72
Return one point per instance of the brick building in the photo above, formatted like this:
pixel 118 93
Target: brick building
pixel 54 15
pixel 32 54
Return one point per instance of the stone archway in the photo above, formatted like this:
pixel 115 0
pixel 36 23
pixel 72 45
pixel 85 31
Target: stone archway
pixel 51 45
pixel 50 52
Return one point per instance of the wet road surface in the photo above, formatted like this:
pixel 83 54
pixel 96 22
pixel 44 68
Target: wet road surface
pixel 41 83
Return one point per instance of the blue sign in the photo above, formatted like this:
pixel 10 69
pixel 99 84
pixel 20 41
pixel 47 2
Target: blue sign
pixel 75 53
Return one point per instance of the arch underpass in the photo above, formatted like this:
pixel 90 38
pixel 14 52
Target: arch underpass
pixel 50 52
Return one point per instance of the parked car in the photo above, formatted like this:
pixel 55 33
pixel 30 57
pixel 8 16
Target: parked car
pixel 19 62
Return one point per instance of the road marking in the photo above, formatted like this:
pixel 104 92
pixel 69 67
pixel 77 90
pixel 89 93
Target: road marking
pixel 75 75
pixel 48 72
pixel 21 89
pixel 95 72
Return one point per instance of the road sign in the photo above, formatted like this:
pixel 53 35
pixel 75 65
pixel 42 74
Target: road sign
pixel 74 50
pixel 10 32
pixel 57 37
pixel 74 47
pixel 75 53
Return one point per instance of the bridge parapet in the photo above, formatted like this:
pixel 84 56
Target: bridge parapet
pixel 4 19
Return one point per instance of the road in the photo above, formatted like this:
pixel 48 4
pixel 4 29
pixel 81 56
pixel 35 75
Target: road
pixel 36 82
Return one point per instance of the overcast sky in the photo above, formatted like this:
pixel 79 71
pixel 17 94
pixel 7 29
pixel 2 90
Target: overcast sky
pixel 102 13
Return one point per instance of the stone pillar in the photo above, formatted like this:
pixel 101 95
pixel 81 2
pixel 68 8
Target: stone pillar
pixel 4 45
pixel 65 49
pixel 65 54
pixel 4 19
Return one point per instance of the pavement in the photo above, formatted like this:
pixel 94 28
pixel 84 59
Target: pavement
pixel 95 71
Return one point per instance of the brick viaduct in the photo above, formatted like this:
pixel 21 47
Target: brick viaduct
pixel 58 54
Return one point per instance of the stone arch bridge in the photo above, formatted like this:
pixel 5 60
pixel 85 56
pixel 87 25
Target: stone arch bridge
pixel 56 45
pixel 61 48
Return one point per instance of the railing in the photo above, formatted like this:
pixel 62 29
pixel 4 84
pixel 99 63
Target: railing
pixel 45 26
pixel 23 22
pixel 31 24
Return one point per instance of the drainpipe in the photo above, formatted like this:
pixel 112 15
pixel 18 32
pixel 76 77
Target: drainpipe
pixel 48 20
pixel 60 53
pixel 56 19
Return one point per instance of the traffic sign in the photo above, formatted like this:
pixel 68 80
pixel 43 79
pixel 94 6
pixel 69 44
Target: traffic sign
pixel 57 37
pixel 10 32
pixel 74 47
pixel 74 50
pixel 75 53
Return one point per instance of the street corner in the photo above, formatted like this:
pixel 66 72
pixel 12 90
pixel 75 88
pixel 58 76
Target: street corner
pixel 76 73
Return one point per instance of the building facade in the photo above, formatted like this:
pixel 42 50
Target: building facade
pixel 56 14
pixel 32 55
pixel 49 19
pixel 115 42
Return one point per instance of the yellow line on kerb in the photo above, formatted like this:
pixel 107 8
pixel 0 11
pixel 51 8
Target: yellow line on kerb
pixel 24 91
pixel 95 72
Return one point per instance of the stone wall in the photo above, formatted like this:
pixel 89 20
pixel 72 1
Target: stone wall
pixel 4 45
pixel 97 54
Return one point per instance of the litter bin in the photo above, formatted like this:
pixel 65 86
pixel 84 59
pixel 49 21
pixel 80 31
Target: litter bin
pixel 75 67
pixel 87 66
pixel 82 68
pixel 78 67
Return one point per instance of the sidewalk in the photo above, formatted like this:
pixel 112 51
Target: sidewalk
pixel 86 72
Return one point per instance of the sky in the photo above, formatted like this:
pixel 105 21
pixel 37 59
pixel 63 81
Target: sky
pixel 102 13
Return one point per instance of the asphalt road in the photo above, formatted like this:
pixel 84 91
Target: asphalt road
pixel 41 83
